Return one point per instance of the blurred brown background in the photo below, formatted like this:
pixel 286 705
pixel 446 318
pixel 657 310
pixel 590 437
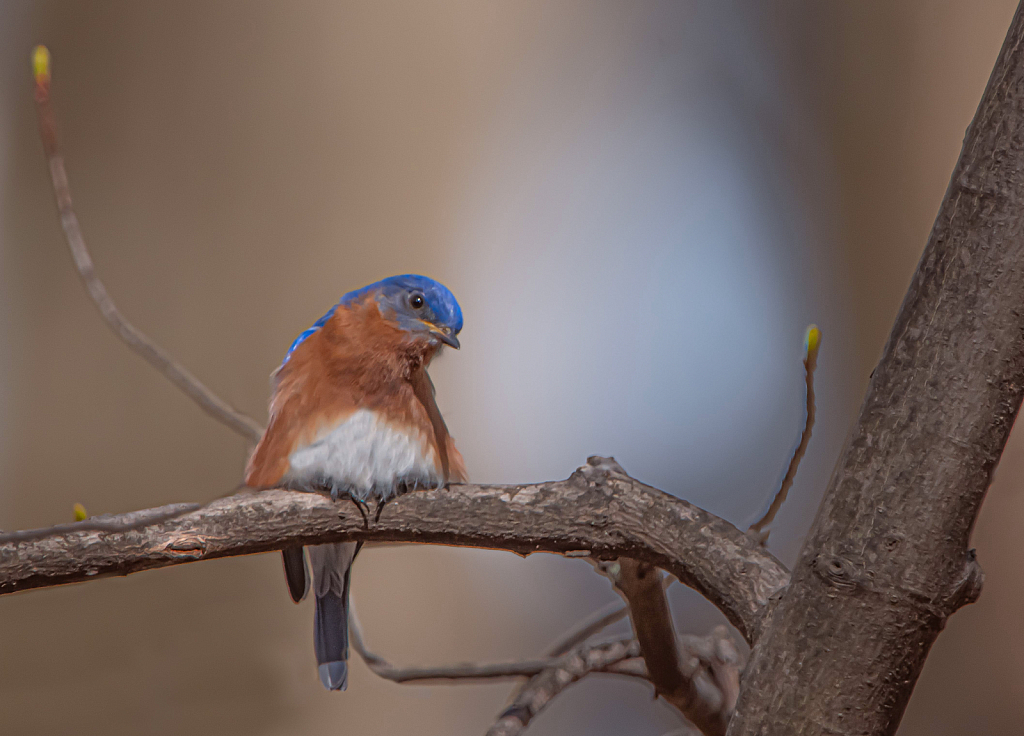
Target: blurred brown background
pixel 640 207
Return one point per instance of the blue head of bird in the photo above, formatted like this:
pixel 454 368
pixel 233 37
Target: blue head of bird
pixel 418 305
pixel 421 306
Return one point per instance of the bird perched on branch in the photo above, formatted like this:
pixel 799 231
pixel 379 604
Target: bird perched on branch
pixel 353 413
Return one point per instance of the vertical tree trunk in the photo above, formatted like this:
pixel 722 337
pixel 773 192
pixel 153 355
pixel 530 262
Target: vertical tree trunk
pixel 887 560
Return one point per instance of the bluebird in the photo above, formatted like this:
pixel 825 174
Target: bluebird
pixel 353 413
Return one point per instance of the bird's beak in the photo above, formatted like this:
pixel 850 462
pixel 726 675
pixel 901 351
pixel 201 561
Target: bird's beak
pixel 444 334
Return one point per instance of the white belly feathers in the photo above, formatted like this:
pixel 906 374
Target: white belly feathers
pixel 365 457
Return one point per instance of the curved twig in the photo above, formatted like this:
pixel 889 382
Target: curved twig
pixel 757 529
pixel 463 671
pixel 596 622
pixel 599 620
pixel 129 334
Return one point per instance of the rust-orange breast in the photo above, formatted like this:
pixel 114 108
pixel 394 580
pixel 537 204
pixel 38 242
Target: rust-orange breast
pixel 353 409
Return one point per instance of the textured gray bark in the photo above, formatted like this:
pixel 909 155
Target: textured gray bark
pixel 608 514
pixel 887 560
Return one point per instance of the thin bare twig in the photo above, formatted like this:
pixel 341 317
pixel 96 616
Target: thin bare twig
pixel 599 620
pixel 106 523
pixel 462 671
pixel 588 627
pixel 758 529
pixel 467 670
pixel 596 622
pixel 566 670
pixel 129 334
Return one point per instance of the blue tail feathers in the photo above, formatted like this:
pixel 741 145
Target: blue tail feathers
pixel 330 637
pixel 334 675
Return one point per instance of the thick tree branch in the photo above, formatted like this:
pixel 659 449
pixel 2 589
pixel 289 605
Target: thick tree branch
pixel 887 559
pixel 609 515
pixel 640 584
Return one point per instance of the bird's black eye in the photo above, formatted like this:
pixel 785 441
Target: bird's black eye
pixel 416 301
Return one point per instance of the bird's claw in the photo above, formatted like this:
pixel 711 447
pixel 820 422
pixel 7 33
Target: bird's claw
pixel 364 510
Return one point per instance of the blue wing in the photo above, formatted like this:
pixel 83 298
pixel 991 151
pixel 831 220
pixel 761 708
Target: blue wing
pixel 307 332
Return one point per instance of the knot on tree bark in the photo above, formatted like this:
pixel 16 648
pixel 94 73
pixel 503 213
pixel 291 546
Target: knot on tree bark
pixel 598 468
pixel 850 573
pixel 837 571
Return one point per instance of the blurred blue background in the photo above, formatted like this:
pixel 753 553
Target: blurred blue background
pixel 640 206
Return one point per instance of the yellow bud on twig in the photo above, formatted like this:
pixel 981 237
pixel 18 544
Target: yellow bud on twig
pixel 80 514
pixel 811 341
pixel 41 64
